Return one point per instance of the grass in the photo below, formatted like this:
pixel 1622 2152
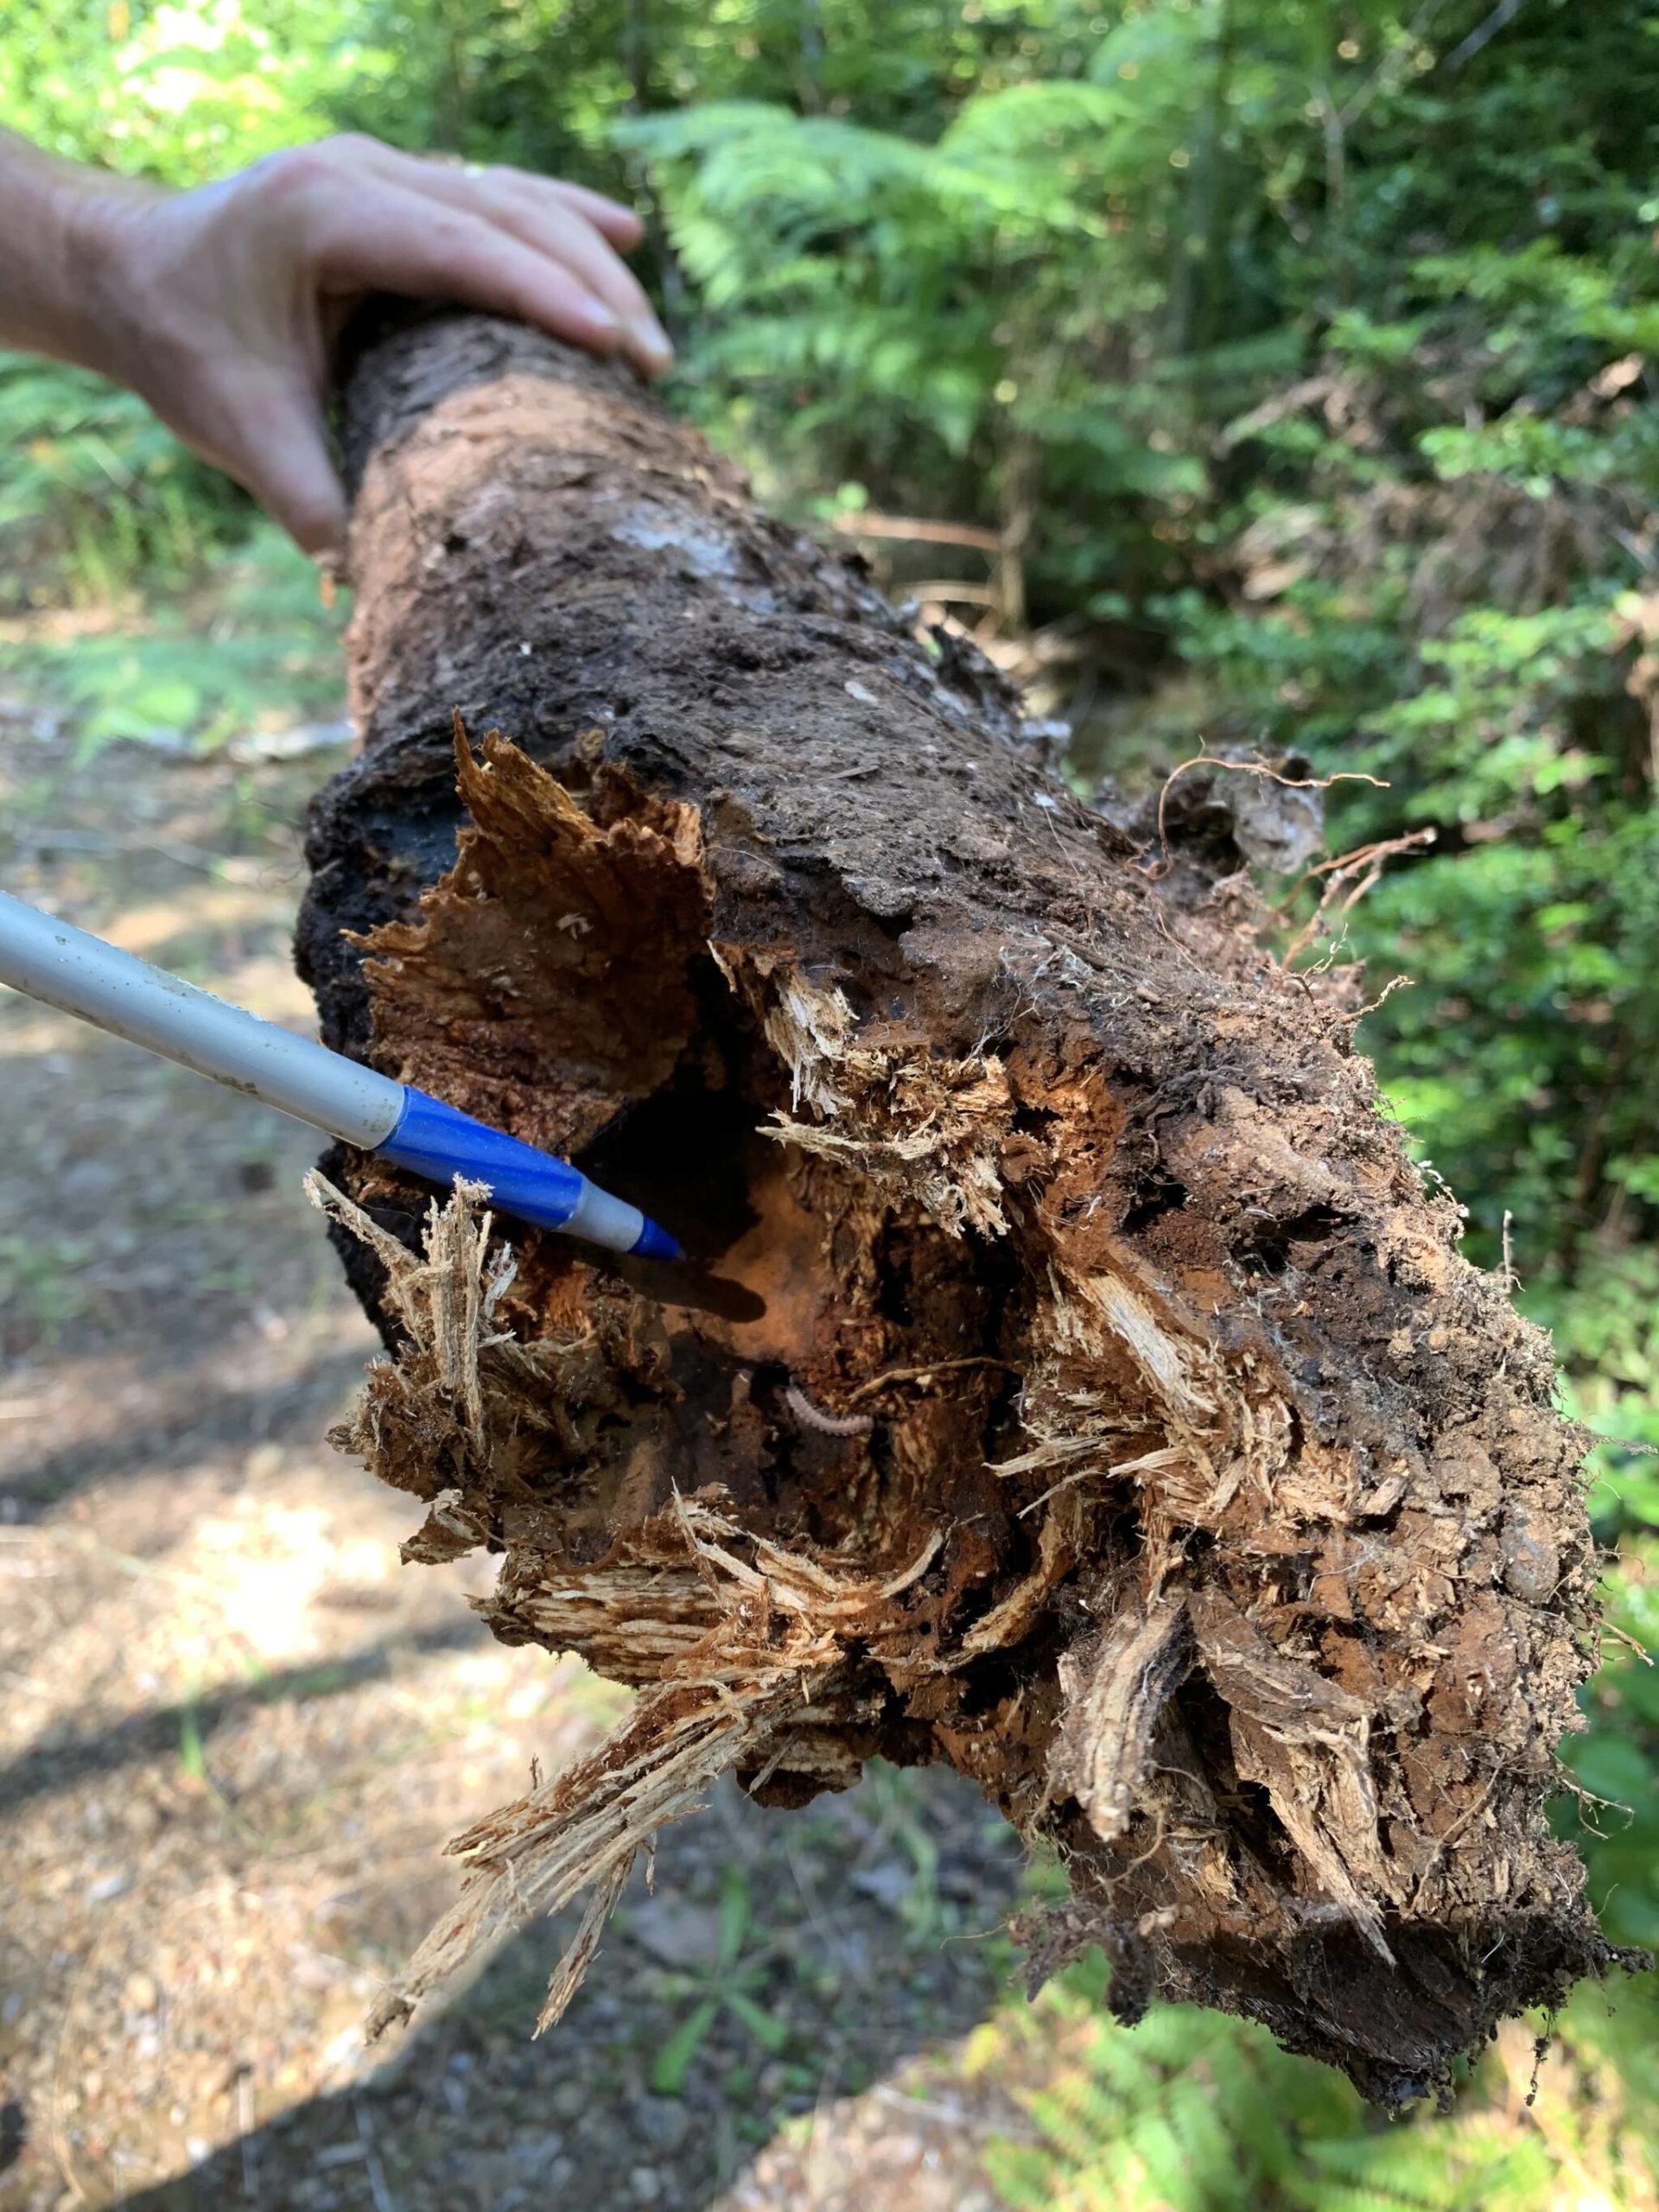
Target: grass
pixel 43 1284
pixel 729 1983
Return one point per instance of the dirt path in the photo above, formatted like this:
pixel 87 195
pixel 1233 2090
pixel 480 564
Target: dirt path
pixel 234 1731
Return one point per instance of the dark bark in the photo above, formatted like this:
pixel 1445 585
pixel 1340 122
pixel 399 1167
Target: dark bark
pixel 1190 1491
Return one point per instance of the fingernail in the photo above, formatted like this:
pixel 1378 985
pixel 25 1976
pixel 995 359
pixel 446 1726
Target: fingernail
pixel 651 339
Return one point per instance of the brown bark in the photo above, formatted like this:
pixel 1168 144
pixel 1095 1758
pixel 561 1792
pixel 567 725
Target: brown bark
pixel 1182 1484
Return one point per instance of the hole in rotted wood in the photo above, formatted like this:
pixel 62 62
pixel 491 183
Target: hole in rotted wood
pixel 1245 1806
pixel 1268 1248
pixel 691 1156
pixel 1159 1193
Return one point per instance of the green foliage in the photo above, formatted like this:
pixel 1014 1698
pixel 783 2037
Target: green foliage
pixel 1192 2111
pixel 181 91
pixel 42 1287
pixel 728 1982
pixel 261 649
pixel 95 498
pixel 1607 1329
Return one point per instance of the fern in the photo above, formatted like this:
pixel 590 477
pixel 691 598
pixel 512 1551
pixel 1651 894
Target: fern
pixel 95 495
pixel 1192 2112
pixel 875 271
pixel 263 651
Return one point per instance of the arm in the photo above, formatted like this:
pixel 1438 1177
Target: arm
pixel 219 306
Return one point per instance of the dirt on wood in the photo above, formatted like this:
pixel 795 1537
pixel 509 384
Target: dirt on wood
pixel 1072 1379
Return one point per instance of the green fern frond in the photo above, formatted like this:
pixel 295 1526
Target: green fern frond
pixel 1194 2112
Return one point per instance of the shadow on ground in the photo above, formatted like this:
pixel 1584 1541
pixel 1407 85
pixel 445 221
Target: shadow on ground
pixel 782 1962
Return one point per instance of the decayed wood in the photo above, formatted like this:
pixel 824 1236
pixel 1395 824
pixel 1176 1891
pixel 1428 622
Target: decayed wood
pixel 1174 1477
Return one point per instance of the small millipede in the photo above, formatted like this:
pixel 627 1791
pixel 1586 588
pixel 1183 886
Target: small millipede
pixel 812 1416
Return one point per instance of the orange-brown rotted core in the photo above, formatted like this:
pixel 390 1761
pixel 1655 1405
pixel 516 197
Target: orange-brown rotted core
pixel 560 983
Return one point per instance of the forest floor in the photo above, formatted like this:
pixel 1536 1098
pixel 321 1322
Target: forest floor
pixel 235 1732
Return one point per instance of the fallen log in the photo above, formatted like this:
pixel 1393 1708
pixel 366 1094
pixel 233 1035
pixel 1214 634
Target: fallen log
pixel 1072 1379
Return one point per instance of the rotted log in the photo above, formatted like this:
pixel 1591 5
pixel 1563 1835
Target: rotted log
pixel 1072 1379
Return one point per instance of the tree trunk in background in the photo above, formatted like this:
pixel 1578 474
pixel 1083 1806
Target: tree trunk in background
pixel 1073 1381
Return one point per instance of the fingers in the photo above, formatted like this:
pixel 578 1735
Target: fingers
pixel 608 216
pixel 522 205
pixel 620 226
pixel 389 239
pixel 560 221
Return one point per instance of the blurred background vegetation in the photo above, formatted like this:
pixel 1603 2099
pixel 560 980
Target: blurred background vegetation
pixel 1287 374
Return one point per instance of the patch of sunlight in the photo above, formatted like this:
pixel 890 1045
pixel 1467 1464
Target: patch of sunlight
pixel 28 1033
pixel 269 1560
pixel 208 906
pixel 267 985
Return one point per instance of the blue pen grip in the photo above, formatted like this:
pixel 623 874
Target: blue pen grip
pixel 440 1142
pixel 66 967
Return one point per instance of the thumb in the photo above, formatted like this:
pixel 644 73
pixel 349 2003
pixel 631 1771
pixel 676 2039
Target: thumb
pixel 282 458
pixel 270 436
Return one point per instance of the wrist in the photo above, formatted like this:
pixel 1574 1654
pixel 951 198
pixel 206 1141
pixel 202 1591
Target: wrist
pixel 57 222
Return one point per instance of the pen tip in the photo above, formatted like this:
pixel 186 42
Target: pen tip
pixel 655 1243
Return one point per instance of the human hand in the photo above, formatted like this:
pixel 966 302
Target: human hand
pixel 219 306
